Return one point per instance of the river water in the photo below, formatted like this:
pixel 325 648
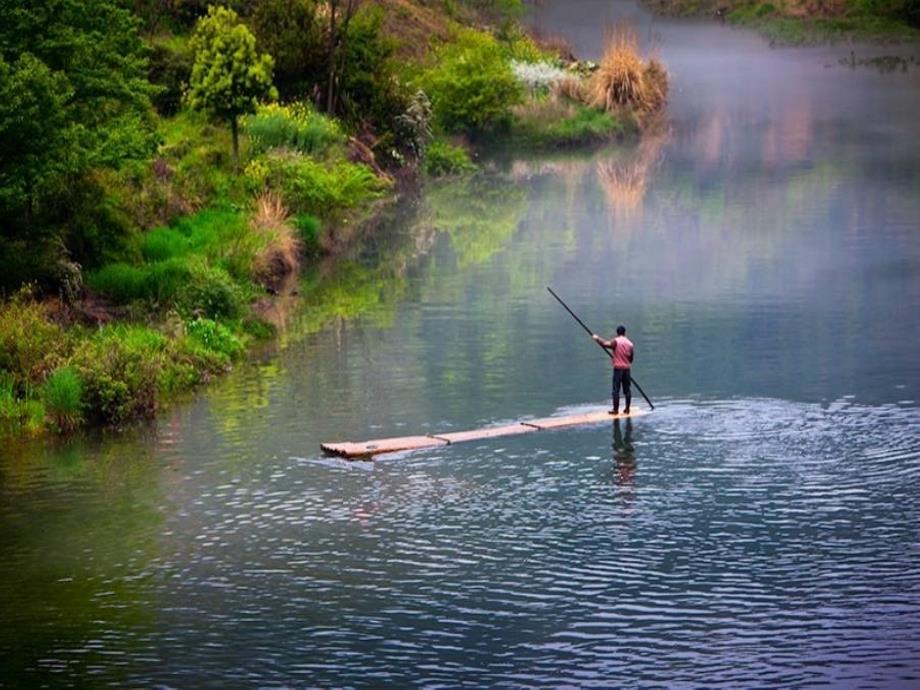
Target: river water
pixel 760 528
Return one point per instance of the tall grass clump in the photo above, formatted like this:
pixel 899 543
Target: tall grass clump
pixel 280 254
pixel 62 395
pixel 623 82
pixel 297 126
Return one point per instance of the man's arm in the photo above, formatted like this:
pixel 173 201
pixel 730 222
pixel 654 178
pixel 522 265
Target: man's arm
pixel 609 344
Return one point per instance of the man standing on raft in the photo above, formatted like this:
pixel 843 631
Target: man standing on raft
pixel 623 352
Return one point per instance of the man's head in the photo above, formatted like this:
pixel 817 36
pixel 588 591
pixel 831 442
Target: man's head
pixel 621 330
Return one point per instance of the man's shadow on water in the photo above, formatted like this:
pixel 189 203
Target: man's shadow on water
pixel 624 457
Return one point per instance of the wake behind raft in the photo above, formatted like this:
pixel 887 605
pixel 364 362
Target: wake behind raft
pixel 366 450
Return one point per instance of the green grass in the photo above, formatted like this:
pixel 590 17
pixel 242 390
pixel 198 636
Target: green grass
pixel 584 125
pixel 62 395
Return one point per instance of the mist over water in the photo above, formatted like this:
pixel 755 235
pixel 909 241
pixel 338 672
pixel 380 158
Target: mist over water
pixel 760 528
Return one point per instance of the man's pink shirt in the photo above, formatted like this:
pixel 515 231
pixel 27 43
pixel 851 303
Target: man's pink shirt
pixel 623 349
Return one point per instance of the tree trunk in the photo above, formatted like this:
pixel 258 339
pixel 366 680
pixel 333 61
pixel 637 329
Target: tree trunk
pixel 234 127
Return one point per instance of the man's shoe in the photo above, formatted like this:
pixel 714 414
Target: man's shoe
pixel 613 412
pixel 626 411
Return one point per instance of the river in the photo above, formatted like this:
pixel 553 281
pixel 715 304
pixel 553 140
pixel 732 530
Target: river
pixel 760 528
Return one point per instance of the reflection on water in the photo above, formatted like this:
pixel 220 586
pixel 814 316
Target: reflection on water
pixel 757 529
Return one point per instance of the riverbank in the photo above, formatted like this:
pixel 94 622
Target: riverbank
pixel 800 22
pixel 163 271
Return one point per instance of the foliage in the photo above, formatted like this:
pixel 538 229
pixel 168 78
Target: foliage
pixel 472 88
pixel 119 367
pixel 289 31
pixel 170 70
pixel 228 77
pixel 215 336
pixel 307 186
pixel 39 143
pixel 442 158
pixel 31 345
pixel 18 414
pixel 297 126
pixel 74 99
pixel 62 395
pixel 211 292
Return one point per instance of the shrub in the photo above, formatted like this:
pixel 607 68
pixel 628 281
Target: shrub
pixel 120 367
pixel 210 291
pixel 30 344
pixel 442 158
pixel 310 187
pixel 295 126
pixel 62 395
pixel 472 88
pixel 215 337
pixel 18 415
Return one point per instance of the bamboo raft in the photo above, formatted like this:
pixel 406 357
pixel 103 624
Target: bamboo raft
pixel 368 449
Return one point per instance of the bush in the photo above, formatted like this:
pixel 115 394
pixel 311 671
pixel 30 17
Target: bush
pixel 442 158
pixel 290 31
pixel 215 337
pixel 62 395
pixel 119 282
pixel 18 415
pixel 120 368
pixel 307 186
pixel 473 88
pixel 30 344
pixel 295 126
pixel 210 291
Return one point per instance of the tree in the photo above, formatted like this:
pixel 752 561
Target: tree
pixel 74 99
pixel 229 77
pixel 291 33
pixel 39 144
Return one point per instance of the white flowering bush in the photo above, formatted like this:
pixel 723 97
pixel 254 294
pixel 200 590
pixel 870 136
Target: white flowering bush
pixel 537 76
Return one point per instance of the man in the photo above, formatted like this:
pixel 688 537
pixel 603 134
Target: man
pixel 623 353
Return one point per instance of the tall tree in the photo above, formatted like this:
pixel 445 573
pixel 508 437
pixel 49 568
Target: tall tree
pixel 229 77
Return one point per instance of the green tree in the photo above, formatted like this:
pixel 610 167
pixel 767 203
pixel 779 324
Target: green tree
pixel 291 33
pixel 229 77
pixel 39 145
pixel 74 99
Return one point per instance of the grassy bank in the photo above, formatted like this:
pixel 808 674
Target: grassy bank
pixel 150 229
pixel 798 22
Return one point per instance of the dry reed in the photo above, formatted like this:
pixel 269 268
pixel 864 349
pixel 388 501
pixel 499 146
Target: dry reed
pixel 623 81
pixel 281 252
